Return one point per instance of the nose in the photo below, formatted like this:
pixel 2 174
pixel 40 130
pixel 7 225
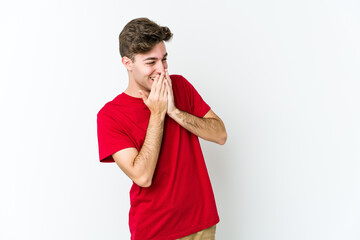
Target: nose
pixel 161 66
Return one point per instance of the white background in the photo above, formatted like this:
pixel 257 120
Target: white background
pixel 283 75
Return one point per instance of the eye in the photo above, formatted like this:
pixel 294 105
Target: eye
pixel 164 59
pixel 150 63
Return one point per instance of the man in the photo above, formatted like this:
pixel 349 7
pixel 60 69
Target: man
pixel 151 131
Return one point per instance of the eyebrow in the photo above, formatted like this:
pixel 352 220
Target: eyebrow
pixel 154 58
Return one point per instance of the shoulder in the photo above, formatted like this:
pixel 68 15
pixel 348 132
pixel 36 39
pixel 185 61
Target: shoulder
pixel 111 106
pixel 177 77
pixel 179 81
pixel 105 117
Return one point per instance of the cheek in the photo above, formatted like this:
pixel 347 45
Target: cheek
pixel 150 71
pixel 147 70
pixel 143 71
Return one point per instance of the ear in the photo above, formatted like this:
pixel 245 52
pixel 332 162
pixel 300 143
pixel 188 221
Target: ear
pixel 127 62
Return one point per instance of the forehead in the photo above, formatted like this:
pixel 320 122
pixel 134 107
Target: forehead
pixel 158 52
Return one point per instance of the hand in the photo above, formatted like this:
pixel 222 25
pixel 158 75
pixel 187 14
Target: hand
pixel 171 103
pixel 157 99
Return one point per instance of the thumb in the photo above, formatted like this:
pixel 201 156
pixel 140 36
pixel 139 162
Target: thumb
pixel 143 95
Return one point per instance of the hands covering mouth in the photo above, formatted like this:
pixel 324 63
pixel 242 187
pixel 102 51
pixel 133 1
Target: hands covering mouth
pixel 160 99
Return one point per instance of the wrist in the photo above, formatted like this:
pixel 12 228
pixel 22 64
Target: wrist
pixel 173 113
pixel 158 115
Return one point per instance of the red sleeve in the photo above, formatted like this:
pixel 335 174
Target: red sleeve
pixel 198 106
pixel 111 138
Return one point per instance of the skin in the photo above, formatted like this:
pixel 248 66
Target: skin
pixel 150 80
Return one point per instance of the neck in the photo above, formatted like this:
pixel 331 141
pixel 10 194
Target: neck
pixel 132 93
pixel 133 90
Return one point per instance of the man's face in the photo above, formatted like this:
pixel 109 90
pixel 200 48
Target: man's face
pixel 146 66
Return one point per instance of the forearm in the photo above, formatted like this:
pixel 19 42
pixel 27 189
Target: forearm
pixel 210 129
pixel 145 162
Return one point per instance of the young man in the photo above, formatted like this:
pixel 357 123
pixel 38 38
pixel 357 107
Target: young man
pixel 151 131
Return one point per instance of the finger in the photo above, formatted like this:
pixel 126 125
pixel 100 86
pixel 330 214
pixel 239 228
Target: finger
pixel 161 81
pixel 169 86
pixel 155 84
pixel 168 77
pixel 169 91
pixel 162 76
pixel 163 89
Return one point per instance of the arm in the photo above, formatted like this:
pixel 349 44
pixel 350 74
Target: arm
pixel 210 127
pixel 140 166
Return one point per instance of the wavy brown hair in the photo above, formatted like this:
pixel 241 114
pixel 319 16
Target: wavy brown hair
pixel 140 35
